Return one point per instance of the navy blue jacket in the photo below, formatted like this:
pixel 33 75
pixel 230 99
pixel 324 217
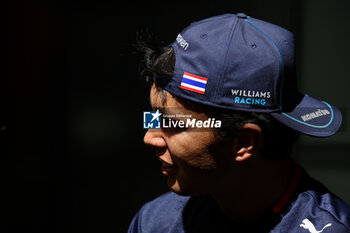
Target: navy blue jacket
pixel 311 208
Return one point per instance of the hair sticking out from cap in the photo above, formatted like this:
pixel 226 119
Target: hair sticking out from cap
pixel 163 96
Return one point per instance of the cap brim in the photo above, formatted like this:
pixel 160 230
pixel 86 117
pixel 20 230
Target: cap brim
pixel 312 117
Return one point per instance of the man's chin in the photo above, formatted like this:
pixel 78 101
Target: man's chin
pixel 174 186
pixel 181 190
pixel 181 193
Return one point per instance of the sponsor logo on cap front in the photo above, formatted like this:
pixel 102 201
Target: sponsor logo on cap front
pixel 193 83
pixel 315 114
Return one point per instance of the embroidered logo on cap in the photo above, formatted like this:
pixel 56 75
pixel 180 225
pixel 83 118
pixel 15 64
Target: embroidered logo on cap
pixel 315 114
pixel 182 42
pixel 193 83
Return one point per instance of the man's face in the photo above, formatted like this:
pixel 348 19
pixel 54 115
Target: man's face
pixel 194 160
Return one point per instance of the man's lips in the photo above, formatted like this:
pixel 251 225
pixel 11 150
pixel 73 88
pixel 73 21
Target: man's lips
pixel 168 169
pixel 166 164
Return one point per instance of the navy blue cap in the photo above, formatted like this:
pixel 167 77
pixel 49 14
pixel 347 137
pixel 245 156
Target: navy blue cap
pixel 240 63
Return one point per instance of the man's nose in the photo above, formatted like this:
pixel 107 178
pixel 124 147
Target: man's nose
pixel 154 138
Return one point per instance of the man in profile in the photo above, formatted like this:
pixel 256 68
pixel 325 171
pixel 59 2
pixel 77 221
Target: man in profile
pixel 237 175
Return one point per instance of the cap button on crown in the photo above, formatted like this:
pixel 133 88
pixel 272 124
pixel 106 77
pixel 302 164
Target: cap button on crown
pixel 242 15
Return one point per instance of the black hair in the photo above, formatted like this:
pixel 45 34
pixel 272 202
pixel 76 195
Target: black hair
pixel 278 138
pixel 156 60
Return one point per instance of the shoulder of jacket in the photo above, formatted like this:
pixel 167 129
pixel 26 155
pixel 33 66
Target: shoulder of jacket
pixel 329 204
pixel 161 213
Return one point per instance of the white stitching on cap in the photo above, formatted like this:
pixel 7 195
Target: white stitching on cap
pixel 314 126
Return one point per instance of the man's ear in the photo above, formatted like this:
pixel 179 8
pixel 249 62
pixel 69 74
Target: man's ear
pixel 247 141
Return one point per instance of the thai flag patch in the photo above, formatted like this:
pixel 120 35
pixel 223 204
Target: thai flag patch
pixel 193 83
